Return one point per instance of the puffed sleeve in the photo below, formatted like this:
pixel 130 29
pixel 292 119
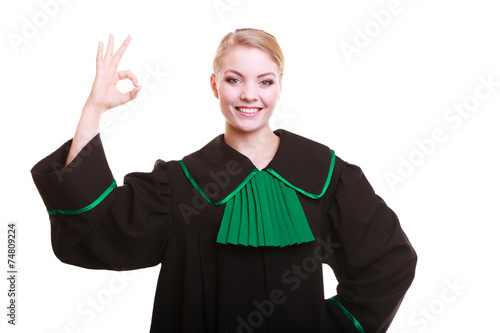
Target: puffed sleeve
pixel 374 264
pixel 97 224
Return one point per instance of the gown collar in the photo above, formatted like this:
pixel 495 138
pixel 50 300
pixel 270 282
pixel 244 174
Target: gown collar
pixel 218 170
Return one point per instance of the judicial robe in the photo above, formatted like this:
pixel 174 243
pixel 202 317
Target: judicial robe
pixel 241 249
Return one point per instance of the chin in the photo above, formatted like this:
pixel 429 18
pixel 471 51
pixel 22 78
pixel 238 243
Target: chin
pixel 246 125
pixel 248 128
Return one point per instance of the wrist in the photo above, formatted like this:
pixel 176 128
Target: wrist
pixel 90 118
pixel 92 108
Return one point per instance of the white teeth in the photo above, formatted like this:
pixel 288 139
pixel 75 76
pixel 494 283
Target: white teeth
pixel 245 110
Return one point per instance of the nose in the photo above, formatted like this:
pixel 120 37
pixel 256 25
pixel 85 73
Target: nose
pixel 248 92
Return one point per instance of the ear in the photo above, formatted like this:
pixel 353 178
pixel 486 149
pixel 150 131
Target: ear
pixel 213 84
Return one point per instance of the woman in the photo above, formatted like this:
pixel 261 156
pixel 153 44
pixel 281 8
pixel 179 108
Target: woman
pixel 241 226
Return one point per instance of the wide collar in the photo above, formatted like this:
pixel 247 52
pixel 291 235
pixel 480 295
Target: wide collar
pixel 218 170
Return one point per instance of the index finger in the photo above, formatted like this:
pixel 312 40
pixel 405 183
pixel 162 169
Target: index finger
pixel 118 55
pixel 99 55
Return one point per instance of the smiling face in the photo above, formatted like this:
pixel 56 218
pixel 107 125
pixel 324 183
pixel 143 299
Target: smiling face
pixel 248 85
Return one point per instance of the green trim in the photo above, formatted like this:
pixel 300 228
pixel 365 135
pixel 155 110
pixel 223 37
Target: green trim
pixel 313 196
pixel 89 207
pixel 348 315
pixel 236 190
pixel 191 180
pixel 205 196
pixel 271 171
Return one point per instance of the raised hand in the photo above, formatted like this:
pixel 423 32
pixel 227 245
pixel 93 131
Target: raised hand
pixel 104 94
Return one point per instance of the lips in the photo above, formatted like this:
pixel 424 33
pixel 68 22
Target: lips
pixel 248 112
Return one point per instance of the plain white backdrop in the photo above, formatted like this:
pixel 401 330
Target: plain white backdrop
pixel 399 88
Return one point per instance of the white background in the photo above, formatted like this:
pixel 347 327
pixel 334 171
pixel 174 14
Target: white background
pixel 370 107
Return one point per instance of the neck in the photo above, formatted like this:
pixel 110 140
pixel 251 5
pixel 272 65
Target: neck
pixel 259 146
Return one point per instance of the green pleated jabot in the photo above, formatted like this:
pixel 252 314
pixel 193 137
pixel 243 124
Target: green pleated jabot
pixel 265 212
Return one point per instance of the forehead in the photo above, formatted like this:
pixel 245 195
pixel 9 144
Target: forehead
pixel 248 59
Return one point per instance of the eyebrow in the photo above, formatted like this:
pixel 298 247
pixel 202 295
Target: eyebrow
pixel 238 73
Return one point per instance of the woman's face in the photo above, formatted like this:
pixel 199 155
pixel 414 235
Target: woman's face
pixel 248 86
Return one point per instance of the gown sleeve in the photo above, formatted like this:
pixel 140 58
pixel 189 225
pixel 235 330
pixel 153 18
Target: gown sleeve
pixel 374 264
pixel 96 224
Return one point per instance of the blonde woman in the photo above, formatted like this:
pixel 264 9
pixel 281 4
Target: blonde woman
pixel 240 227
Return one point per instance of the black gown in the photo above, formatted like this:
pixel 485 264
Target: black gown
pixel 172 216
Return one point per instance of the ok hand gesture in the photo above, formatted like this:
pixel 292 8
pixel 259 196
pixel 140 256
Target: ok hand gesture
pixel 104 94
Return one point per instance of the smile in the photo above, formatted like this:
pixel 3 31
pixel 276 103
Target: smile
pixel 248 112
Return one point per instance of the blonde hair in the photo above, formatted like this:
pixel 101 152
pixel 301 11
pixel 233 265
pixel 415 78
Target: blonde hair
pixel 251 38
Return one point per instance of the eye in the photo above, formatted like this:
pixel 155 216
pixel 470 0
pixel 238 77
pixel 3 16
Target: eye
pixel 232 80
pixel 267 82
